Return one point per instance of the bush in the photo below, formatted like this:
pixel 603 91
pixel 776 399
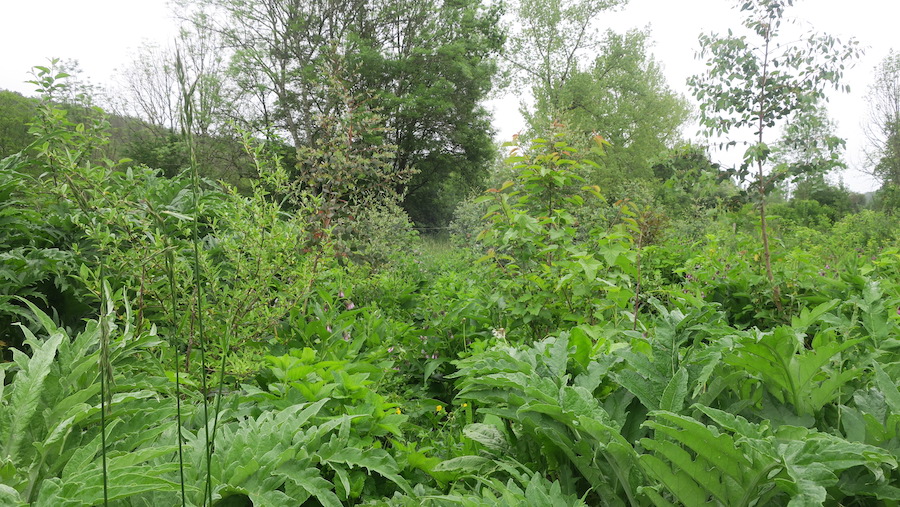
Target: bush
pixel 866 232
pixel 378 234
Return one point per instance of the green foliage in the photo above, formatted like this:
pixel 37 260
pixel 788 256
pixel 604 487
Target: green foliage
pixel 300 344
pixel 758 84
pixel 545 276
pixel 808 148
pixel 866 232
pixel 380 234
pixel 748 462
pixel 53 401
pixel 883 128
pixel 623 97
pixel 806 379
pixel 546 39
pixel 424 67
pixel 15 113
pixel 545 396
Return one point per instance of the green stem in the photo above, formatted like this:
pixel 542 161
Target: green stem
pixel 188 131
pixel 104 385
pixel 170 271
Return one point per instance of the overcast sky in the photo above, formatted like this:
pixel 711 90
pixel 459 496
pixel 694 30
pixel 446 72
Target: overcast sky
pixel 101 34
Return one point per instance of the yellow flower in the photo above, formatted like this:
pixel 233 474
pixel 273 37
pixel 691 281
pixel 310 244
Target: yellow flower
pixel 465 405
pixel 398 411
pixel 438 408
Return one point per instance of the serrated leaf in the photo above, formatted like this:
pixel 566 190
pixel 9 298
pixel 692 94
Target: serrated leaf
pixel 672 399
pixel 888 388
pixel 487 435
pixel 311 481
pixel 473 464
pixel 27 388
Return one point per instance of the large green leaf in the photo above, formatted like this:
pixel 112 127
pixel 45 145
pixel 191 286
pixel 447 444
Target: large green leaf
pixel 24 394
pixel 699 464
pixel 808 379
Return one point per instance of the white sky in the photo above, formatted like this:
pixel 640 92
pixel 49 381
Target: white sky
pixel 101 33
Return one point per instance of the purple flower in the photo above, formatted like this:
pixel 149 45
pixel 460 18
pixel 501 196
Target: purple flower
pixel 346 336
pixel 390 349
pixel 350 305
pixel 341 294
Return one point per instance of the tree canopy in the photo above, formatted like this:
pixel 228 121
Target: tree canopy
pixel 883 128
pixel 423 66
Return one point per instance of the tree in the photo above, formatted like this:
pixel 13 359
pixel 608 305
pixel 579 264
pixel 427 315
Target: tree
pixel 148 88
pixel 15 113
pixel 692 182
pixel 423 66
pixel 623 96
pixel 546 40
pixel 808 149
pixel 754 81
pixel 148 91
pixel 883 129
pixel 430 72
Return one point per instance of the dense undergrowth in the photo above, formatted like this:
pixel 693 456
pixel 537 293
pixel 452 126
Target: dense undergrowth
pixel 572 351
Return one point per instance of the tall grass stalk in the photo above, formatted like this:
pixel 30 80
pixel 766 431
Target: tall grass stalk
pixel 187 126
pixel 170 274
pixel 105 373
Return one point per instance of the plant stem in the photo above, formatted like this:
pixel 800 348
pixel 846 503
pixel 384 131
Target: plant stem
pixel 187 112
pixel 761 102
pixel 104 368
pixel 170 271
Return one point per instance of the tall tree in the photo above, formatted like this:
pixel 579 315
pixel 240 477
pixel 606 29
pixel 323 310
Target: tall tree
pixel 423 66
pixel 623 97
pixel 883 128
pixel 15 113
pixel 148 90
pixel 808 149
pixel 755 81
pixel 431 68
pixel 547 38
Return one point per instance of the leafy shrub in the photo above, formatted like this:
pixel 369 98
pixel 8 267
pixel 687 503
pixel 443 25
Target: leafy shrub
pixel 866 232
pixel 468 223
pixel 379 233
pixel 543 274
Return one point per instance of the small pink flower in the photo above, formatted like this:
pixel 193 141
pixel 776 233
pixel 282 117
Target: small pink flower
pixel 390 349
pixel 328 328
pixel 350 305
pixel 346 336
pixel 341 294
